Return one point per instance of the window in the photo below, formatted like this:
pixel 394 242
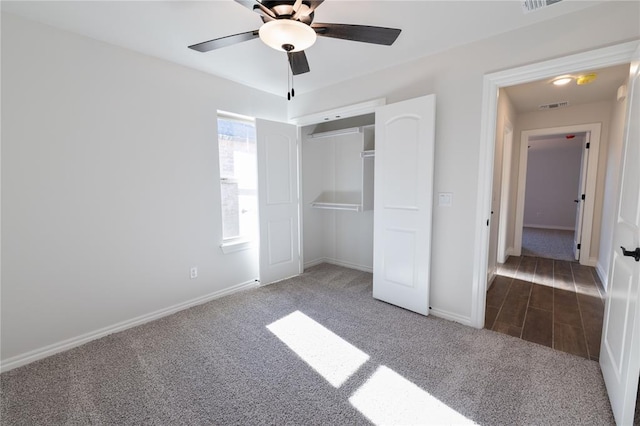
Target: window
pixel 238 178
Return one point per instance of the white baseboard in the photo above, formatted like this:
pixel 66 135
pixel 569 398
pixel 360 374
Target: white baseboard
pixel 592 261
pixel 450 316
pixel 512 252
pixel 40 353
pixel 603 276
pixel 315 262
pixel 490 279
pixel 338 263
pixel 560 228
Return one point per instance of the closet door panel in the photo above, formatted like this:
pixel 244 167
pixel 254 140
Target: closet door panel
pixel 403 194
pixel 278 201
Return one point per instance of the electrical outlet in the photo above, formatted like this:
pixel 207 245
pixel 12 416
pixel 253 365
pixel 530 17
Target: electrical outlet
pixel 193 272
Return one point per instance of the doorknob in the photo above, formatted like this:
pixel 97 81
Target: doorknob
pixel 635 254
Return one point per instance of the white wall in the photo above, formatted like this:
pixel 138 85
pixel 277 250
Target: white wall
pixel 596 112
pixel 611 186
pixel 506 116
pixel 553 182
pixel 455 76
pixel 109 185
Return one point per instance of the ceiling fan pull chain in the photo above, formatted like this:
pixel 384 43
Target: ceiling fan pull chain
pixel 288 84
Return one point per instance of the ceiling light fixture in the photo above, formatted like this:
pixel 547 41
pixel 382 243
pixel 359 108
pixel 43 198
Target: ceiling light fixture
pixel 586 79
pixel 287 35
pixel 561 81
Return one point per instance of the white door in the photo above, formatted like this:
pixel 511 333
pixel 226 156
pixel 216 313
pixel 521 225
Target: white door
pixel 577 233
pixel 278 200
pixel 402 203
pixel 620 349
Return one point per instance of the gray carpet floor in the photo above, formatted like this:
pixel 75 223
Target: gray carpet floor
pixel 549 243
pixel 219 363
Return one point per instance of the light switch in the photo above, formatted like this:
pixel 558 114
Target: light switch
pixel 445 199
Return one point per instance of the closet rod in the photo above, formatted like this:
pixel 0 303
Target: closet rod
pixel 340 132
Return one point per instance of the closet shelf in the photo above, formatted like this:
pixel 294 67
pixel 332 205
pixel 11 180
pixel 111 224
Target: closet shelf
pixel 339 200
pixel 340 132
pixel 337 206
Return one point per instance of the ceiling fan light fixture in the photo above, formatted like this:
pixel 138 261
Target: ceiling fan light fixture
pixel 285 32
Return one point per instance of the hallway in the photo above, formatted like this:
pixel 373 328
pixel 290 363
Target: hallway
pixel 554 303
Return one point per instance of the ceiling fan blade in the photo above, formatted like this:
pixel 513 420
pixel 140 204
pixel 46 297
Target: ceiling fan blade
pixel 363 33
pixel 255 4
pixel 217 43
pixel 298 62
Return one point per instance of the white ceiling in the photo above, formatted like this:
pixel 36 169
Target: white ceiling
pixel 528 97
pixel 165 29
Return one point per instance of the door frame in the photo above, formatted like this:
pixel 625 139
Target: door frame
pixel 590 189
pixel 598 58
pixel 505 191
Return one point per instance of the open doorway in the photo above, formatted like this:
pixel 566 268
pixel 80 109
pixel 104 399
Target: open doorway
pixel 618 392
pixel 555 195
pixel 545 211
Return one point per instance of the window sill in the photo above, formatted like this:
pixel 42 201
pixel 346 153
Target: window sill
pixel 233 246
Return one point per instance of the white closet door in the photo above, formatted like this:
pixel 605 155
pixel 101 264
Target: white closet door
pixel 278 200
pixel 620 348
pixel 402 203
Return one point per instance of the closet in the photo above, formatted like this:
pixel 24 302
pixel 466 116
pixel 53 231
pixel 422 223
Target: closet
pixel 367 197
pixel 337 191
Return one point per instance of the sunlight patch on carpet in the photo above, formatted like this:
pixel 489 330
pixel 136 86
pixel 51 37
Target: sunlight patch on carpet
pixel 331 356
pixel 387 398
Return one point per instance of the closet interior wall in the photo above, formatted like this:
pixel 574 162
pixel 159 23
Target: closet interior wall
pixel 332 166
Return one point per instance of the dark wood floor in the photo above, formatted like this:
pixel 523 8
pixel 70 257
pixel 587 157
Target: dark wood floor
pixel 550 302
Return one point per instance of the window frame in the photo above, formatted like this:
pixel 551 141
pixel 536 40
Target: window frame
pixel 240 242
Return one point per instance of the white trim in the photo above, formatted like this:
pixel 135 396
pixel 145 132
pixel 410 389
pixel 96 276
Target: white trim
pixel 591 261
pixel 233 246
pixel 594 130
pixel 315 262
pixel 355 110
pixel 505 191
pixel 492 278
pixel 338 262
pixel 603 276
pixel 598 58
pixel 450 316
pixel 46 351
pixel 559 228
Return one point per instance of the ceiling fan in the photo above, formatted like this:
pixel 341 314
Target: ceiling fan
pixel 288 26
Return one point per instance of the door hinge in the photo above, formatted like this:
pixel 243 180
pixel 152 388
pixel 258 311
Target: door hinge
pixel 487 222
pixel 588 145
pixel 578 246
pixel 583 196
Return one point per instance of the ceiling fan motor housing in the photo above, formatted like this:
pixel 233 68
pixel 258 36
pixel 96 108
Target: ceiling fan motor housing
pixel 284 10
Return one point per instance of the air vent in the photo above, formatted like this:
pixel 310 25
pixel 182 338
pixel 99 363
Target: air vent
pixel 531 5
pixel 554 105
